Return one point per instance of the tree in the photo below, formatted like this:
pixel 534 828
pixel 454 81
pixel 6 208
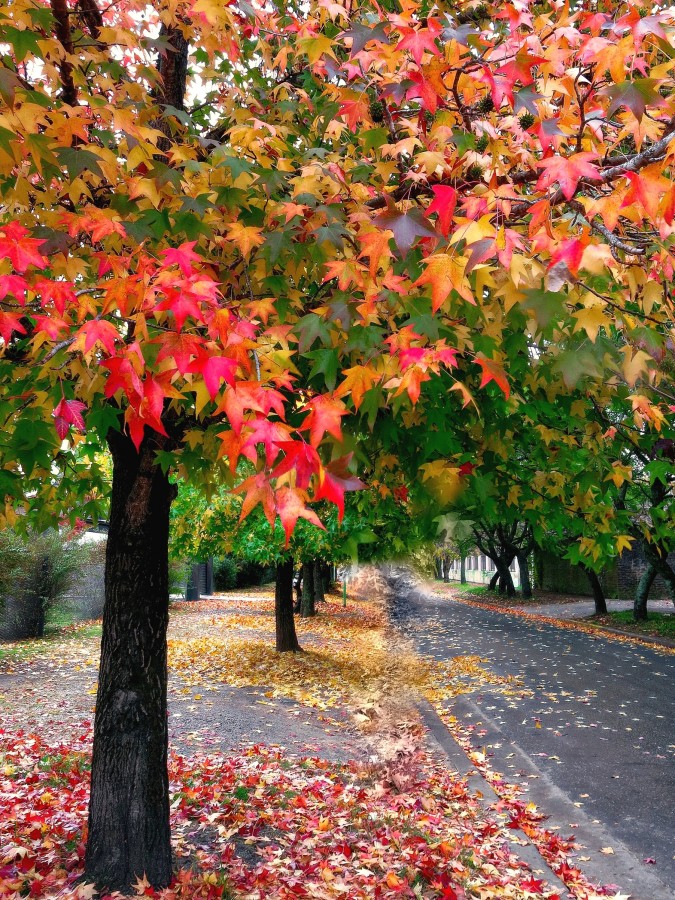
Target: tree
pixel 227 227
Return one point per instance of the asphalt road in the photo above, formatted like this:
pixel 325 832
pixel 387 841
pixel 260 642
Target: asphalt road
pixel 599 725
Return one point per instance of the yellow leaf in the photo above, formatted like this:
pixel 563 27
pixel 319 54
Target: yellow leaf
pixel 246 237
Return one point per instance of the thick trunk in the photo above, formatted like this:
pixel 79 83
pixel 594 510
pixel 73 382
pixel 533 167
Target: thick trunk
pixel 318 582
pixel 129 834
pixel 307 608
pixel 462 570
pixel 506 585
pixel 598 593
pixel 287 639
pixel 642 595
pixel 525 583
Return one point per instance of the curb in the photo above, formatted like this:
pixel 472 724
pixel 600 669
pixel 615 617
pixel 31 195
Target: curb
pixel 643 640
pixel 523 846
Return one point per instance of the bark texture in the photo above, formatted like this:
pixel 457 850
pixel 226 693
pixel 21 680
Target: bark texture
pixel 129 834
pixel 319 581
pixel 642 593
pixel 307 607
pixel 598 593
pixel 286 637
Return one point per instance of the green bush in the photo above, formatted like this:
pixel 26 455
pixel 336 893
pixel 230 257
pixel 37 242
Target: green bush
pixel 225 572
pixel 37 573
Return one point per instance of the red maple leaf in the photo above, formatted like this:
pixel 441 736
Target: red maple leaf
pixel 263 431
pixel 99 331
pixel 10 322
pixel 22 251
pixel 493 371
pixel 182 256
pixel 567 171
pixel 325 414
pixel 291 507
pixel 417 41
pixel 60 293
pixel 334 480
pixel 300 457
pixel 258 490
pixel 67 413
pixel 14 285
pixel 443 204
pixel 213 370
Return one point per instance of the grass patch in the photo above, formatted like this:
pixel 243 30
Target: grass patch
pixel 17 651
pixel 659 624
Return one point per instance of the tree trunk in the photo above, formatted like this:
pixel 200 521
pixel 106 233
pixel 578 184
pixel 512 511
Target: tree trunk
pixel 298 591
pixel 318 582
pixel 129 833
pixel 525 583
pixel 598 593
pixel 307 608
pixel 462 570
pixel 506 585
pixel 494 581
pixel 287 639
pixel 642 595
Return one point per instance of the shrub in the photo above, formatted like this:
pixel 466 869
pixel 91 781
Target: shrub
pixel 37 572
pixel 225 573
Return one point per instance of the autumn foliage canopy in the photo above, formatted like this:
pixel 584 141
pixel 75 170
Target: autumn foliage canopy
pixel 245 228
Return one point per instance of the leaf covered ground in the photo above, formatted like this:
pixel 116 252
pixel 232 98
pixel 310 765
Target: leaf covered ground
pixel 341 797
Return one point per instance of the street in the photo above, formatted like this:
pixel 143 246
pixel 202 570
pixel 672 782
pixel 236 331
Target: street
pixel 598 723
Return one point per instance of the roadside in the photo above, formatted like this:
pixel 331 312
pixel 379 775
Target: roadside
pixel 293 775
pixel 576 611
pixel 563 724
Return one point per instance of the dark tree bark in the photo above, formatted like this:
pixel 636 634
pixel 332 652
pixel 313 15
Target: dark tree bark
pixel 298 591
pixel 642 594
pixel 286 637
pixel 506 585
pixel 307 608
pixel 494 581
pixel 318 582
pixel 525 583
pixel 462 570
pixel 129 834
pixel 598 593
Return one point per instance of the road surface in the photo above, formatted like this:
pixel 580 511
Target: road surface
pixel 599 725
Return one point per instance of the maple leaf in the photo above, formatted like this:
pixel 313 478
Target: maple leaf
pixel 263 431
pixel 244 395
pixel 406 227
pixel 99 331
pixel 9 323
pixel 14 285
pixel 443 204
pixel 60 293
pixel 568 172
pixel 213 370
pixel 635 95
pixel 355 112
pixel 493 371
pixel 182 304
pixel 291 507
pixel 325 414
pixel 246 237
pixel 299 457
pixel 182 256
pixel 357 381
pixel 445 272
pixel 646 188
pixel 257 490
pixel 334 481
pixel 420 40
pixel 22 251
pixel 375 245
pixel 67 413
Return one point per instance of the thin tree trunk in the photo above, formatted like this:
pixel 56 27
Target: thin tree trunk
pixel 525 583
pixel 129 832
pixel 506 585
pixel 642 595
pixel 462 570
pixel 318 582
pixel 286 637
pixel 494 581
pixel 307 608
pixel 598 593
